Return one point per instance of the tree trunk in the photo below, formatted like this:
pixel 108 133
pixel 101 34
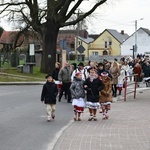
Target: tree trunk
pixel 49 47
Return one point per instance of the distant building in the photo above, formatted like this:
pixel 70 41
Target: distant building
pixel 143 42
pixel 107 44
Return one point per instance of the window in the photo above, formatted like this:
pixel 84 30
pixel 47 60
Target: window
pixel 95 53
pixel 80 42
pixel 105 44
pixel 110 43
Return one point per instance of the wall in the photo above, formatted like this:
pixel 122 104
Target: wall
pixel 143 43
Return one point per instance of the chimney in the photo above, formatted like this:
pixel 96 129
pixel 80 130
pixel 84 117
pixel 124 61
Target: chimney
pixel 122 32
pixel 85 34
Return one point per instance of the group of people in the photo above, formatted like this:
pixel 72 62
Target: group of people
pixel 92 85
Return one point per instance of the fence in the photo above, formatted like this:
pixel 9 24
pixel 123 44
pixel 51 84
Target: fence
pixel 126 84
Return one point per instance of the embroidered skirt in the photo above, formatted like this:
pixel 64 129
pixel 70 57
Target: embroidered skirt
pixel 92 105
pixel 78 104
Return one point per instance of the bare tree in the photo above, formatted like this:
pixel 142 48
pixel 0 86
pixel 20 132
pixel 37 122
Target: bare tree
pixel 46 17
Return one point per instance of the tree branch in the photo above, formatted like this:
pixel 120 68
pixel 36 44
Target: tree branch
pixel 81 17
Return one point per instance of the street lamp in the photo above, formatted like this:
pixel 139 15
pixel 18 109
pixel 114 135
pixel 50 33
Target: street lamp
pixel 135 46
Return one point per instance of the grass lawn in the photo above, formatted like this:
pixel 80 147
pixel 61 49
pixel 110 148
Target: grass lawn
pixel 18 77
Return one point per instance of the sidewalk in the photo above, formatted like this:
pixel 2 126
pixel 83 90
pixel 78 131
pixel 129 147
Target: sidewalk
pixel 128 128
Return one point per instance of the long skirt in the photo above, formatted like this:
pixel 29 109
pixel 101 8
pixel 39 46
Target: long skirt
pixel 78 104
pixel 92 105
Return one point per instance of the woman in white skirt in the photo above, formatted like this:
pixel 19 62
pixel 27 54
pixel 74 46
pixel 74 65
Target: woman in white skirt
pixel 78 95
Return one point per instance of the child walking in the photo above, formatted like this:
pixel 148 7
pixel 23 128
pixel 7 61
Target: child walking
pixel 93 85
pixel 105 95
pixel 48 96
pixel 78 95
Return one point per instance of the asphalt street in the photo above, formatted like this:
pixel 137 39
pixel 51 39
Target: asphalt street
pixel 23 124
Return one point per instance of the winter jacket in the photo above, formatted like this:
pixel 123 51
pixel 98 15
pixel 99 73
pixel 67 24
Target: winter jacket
pixel 93 89
pixel 115 72
pixel 77 89
pixel 146 71
pixel 65 75
pixel 49 93
pixel 55 73
pixel 105 94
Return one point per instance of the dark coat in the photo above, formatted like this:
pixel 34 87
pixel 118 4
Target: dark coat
pixel 49 93
pixel 93 89
pixel 146 71
pixel 55 73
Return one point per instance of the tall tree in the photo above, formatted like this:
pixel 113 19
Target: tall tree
pixel 46 17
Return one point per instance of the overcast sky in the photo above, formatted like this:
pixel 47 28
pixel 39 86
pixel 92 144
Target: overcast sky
pixel 117 14
pixel 121 15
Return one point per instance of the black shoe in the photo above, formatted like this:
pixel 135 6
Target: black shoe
pixel 69 102
pixel 115 95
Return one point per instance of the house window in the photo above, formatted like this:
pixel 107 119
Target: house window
pixel 105 44
pixel 80 42
pixel 110 43
pixel 94 53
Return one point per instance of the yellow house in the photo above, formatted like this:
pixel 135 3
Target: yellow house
pixel 83 44
pixel 107 43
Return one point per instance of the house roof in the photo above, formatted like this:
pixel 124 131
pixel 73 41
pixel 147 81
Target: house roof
pixel 86 40
pixel 119 36
pixel 8 37
pixel 69 35
pixel 94 36
pixel 144 29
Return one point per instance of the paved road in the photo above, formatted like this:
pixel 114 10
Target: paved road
pixel 23 123
pixel 128 128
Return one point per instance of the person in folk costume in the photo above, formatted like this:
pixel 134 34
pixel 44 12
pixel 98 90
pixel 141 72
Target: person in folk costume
pixel 121 79
pixel 78 95
pixel 93 85
pixel 105 99
pixel 115 72
pixel 48 96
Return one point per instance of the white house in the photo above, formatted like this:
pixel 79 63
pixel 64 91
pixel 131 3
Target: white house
pixel 143 42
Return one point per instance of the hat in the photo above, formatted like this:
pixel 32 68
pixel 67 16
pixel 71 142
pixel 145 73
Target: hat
pixel 104 74
pixel 49 75
pixel 77 73
pixel 81 64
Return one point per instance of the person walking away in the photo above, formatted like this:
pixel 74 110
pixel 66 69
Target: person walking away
pixel 115 72
pixel 105 99
pixel 48 96
pixel 93 85
pixel 78 95
pixel 138 71
pixel 121 79
pixel 64 76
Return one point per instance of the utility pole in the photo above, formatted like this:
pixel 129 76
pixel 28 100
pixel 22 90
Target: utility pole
pixel 135 46
pixel 77 35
